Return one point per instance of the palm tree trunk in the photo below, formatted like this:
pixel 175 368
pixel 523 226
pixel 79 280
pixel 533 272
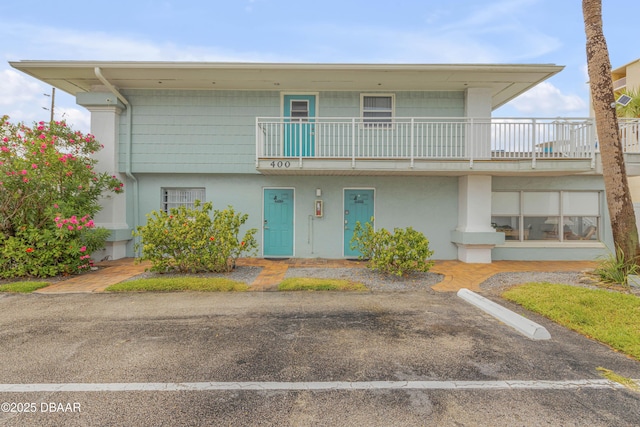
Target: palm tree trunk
pixel 621 213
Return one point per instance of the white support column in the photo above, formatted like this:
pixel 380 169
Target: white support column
pixel 474 235
pixel 474 203
pixel 478 105
pixel 478 102
pixel 105 122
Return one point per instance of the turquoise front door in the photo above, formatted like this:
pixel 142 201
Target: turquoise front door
pixel 299 125
pixel 358 206
pixel 278 222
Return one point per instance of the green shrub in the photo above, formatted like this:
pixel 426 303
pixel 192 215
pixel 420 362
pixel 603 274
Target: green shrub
pixel 49 193
pixel 615 269
pixel 403 251
pixel 187 240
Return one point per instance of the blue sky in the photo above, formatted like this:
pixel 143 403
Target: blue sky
pixel 453 31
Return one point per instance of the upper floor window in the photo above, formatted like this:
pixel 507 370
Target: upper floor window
pixel 299 110
pixel 377 110
pixel 175 197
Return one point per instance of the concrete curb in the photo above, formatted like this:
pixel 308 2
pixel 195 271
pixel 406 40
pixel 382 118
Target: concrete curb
pixel 525 326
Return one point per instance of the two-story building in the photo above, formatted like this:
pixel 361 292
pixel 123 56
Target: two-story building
pixel 626 80
pixel 309 149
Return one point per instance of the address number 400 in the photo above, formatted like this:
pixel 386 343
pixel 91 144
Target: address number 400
pixel 280 164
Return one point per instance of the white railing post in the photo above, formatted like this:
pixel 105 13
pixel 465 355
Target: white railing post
pixel 572 140
pixel 470 141
pixel 353 142
pixel 592 131
pixel 258 144
pixel 534 137
pixel 300 145
pixel 412 140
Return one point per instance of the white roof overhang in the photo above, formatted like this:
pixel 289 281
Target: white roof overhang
pixel 506 81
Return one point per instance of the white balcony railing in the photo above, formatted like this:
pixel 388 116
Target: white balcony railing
pixel 415 138
pixel 620 83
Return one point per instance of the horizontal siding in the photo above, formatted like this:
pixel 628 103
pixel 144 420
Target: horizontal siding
pixel 214 131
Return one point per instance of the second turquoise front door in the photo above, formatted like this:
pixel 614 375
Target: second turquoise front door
pixel 299 125
pixel 278 222
pixel 358 206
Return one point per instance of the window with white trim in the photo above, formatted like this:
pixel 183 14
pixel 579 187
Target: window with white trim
pixel 299 110
pixel 176 197
pixel 377 109
pixel 547 215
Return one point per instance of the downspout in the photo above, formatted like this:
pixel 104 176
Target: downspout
pixel 128 141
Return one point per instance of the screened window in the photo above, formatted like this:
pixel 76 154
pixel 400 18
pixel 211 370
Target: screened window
pixel 377 110
pixel 547 215
pixel 176 197
pixel 299 110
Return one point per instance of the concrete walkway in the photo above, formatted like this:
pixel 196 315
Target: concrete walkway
pixel 457 275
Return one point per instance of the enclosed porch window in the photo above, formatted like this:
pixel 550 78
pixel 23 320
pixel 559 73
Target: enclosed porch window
pixel 547 215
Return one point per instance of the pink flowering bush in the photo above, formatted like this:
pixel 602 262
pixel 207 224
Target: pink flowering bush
pixel 49 193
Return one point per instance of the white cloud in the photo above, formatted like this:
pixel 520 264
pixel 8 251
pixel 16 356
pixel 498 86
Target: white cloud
pixel 548 100
pixel 488 33
pixel 70 44
pixel 16 88
pixel 79 119
pixel 21 97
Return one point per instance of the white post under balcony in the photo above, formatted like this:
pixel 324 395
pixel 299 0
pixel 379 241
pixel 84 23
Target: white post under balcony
pixel 534 139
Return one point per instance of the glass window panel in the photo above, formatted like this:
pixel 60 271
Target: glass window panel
pixel 510 226
pixel 505 203
pixel 581 228
pixel 541 203
pixel 377 102
pixel 299 106
pixel 580 203
pixel 372 115
pixel 377 109
pixel 542 228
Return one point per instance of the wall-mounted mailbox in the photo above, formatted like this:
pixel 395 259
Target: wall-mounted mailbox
pixel 319 208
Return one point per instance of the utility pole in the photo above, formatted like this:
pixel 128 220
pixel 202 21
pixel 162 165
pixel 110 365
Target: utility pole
pixel 53 102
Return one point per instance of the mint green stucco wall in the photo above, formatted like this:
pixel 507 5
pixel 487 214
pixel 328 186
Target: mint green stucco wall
pixel 214 131
pixel 429 204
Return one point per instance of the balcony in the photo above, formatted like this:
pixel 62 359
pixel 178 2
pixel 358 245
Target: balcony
pixel 620 84
pixel 411 145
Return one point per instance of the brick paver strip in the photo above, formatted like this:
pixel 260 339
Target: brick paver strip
pixel 97 281
pixel 457 275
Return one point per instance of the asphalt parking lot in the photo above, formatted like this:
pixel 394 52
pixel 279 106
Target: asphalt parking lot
pixel 295 359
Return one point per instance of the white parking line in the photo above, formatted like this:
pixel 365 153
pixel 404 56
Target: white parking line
pixel 315 386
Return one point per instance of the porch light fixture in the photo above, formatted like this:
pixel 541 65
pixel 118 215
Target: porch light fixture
pixel 318 192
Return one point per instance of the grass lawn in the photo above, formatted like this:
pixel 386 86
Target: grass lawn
pixel 22 287
pixel 173 284
pixel 318 284
pixel 612 318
